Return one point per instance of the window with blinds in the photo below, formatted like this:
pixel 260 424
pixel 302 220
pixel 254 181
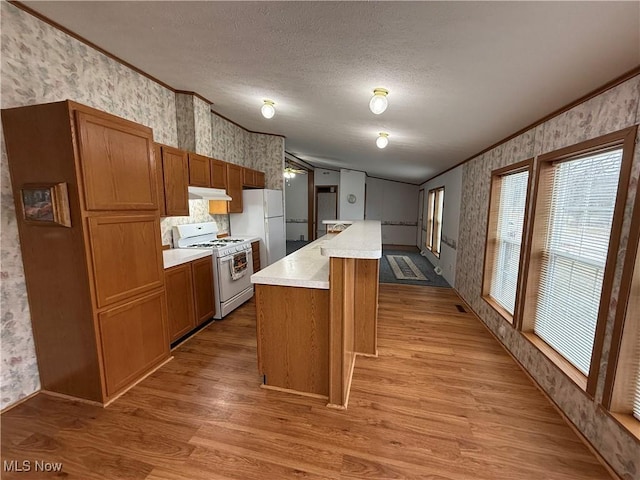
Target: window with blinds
pixel 507 218
pixel 435 207
pixel 430 210
pixel 437 221
pixel 579 207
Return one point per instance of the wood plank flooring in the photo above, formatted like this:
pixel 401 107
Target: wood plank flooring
pixel 443 402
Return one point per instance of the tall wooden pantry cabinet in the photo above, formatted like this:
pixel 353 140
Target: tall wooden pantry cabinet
pixel 85 190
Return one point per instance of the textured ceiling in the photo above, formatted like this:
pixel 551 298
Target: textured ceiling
pixel 461 75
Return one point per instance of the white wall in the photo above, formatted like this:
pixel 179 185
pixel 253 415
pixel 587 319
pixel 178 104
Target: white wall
pixel 326 177
pixel 296 209
pixel 395 204
pixel 452 182
pixel 351 183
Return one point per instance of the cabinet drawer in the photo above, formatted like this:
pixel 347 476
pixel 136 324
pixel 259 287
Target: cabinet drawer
pixel 133 339
pixel 118 164
pixel 127 256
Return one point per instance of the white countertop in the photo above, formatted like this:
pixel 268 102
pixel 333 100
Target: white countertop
pixel 309 266
pixel 306 268
pixel 178 256
pixel 363 239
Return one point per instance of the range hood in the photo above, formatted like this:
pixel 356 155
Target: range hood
pixel 201 193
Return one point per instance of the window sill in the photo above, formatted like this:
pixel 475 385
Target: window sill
pixel 504 313
pixel 628 422
pixel 562 363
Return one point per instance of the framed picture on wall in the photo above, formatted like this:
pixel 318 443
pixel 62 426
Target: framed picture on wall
pixel 46 204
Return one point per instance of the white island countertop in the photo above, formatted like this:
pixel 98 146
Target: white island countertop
pixel 309 266
pixel 178 256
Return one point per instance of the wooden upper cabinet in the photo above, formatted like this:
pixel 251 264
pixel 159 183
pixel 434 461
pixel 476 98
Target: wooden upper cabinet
pixel 234 187
pixel 259 179
pixel 252 178
pixel 248 177
pixel 180 304
pixel 118 164
pixel 199 170
pixel 176 181
pixel 203 295
pixel 133 339
pixel 126 255
pixel 218 173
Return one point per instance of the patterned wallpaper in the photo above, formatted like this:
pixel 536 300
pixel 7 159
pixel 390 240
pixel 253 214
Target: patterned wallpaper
pixel 203 128
pixel 42 64
pixel 199 212
pixel 185 122
pixel 611 111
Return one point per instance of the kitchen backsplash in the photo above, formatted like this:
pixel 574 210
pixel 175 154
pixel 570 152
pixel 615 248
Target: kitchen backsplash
pixel 199 212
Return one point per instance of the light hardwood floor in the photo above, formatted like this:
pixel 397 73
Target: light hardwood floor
pixel 443 402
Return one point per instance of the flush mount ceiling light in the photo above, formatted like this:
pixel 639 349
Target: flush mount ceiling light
pixel 268 110
pixel 382 140
pixel 379 102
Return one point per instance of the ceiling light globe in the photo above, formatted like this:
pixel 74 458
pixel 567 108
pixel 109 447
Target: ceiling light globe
pixel 379 102
pixel 383 140
pixel 268 110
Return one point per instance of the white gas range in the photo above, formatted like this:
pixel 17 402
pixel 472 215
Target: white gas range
pixel 232 263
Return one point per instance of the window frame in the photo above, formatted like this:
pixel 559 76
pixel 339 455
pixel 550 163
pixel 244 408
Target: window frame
pixel 491 237
pixel 536 236
pixel 611 402
pixel 432 220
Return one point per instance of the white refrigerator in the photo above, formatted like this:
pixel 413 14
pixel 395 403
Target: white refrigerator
pixel 262 216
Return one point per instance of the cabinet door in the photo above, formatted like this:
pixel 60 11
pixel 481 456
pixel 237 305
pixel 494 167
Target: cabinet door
pixel 218 173
pixel 199 170
pixel 176 181
pixel 180 308
pixel 255 254
pixel 248 177
pixel 134 339
pixel 126 255
pixel 117 161
pixel 203 289
pixel 259 179
pixel 234 187
pixel 157 153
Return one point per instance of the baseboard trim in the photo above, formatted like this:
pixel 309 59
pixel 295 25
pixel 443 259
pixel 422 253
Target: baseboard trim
pixel 294 392
pixel 19 402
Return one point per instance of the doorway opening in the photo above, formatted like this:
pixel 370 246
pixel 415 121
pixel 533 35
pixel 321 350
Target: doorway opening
pixel 326 201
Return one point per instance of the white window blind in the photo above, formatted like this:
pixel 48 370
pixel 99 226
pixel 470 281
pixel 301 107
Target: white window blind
pixel 430 210
pixel 636 361
pixel 437 227
pixel 512 201
pixel 580 209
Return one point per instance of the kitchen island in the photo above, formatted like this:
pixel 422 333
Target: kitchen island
pixel 316 310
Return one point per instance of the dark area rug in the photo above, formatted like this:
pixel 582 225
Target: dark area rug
pixel 432 279
pixel 293 245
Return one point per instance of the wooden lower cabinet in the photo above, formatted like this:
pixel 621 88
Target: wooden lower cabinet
pixel 255 254
pixel 133 339
pixel 179 284
pixel 203 296
pixel 190 296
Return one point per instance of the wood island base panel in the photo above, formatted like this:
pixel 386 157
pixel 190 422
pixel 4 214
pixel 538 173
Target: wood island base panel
pixel 316 311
